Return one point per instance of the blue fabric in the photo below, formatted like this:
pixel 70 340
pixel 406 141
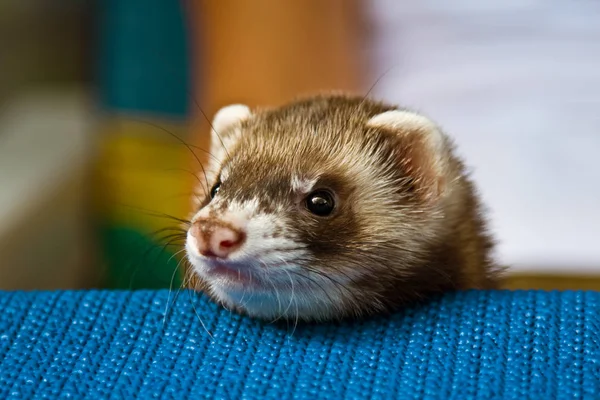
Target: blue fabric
pixel 508 345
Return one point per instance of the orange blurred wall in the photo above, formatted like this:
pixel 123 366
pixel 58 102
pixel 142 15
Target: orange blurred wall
pixel 265 52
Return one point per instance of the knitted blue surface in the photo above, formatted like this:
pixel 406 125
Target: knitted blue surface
pixel 508 345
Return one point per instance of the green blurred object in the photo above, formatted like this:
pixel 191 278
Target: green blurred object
pixel 138 261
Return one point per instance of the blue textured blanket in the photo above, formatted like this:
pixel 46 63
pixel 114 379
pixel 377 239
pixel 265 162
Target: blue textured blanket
pixel 508 345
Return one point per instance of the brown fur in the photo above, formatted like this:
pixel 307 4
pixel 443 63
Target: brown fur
pixel 411 230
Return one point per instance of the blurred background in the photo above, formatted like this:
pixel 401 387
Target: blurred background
pixel 94 93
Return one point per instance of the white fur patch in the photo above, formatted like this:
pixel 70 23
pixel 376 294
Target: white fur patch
pixel 224 174
pixel 406 120
pixel 245 209
pixel 302 185
pixel 290 299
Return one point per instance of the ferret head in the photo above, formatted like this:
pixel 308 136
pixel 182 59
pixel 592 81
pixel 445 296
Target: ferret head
pixel 323 208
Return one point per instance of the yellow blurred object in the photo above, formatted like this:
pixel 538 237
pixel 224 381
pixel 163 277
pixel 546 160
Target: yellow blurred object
pixel 142 174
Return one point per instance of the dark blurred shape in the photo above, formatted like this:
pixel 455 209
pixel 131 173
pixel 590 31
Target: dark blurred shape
pixel 44 42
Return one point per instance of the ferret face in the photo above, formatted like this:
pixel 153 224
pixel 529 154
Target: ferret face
pixel 315 210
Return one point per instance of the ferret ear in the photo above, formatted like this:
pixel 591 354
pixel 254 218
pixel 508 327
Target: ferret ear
pixel 229 116
pixel 226 119
pixel 421 150
pixel 225 130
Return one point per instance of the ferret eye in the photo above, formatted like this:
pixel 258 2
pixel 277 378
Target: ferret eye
pixel 320 203
pixel 215 190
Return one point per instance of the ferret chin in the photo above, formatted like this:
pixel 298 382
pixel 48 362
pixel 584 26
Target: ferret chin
pixel 332 207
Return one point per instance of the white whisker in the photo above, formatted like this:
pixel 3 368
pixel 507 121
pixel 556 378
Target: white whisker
pixel 171 289
pixel 198 316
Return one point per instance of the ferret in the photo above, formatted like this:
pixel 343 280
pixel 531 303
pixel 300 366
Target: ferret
pixel 334 206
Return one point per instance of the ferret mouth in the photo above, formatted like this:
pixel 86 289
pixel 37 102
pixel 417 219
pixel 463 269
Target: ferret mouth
pixel 231 273
pixel 240 276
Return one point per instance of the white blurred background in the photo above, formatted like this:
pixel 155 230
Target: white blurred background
pixel 517 83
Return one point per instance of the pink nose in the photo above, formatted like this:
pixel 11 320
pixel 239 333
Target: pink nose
pixel 214 239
